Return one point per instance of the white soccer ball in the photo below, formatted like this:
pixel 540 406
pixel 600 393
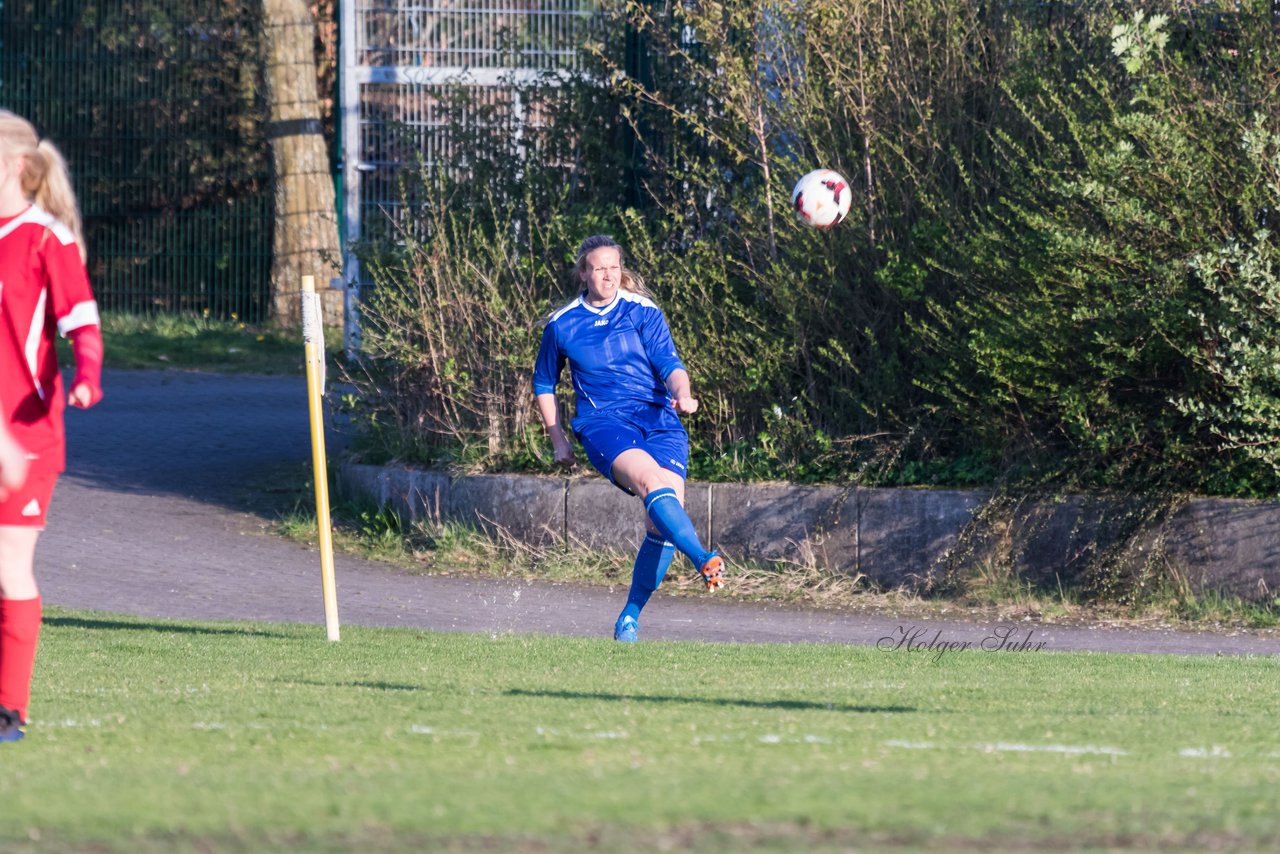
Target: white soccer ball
pixel 821 199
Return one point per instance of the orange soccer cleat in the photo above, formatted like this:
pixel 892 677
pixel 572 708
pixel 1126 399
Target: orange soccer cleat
pixel 713 572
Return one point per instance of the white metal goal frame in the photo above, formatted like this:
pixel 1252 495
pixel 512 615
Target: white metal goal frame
pixel 398 56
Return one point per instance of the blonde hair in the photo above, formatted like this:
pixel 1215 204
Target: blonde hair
pixel 631 281
pixel 45 177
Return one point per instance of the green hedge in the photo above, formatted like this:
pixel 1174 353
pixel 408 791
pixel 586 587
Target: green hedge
pixel 1058 270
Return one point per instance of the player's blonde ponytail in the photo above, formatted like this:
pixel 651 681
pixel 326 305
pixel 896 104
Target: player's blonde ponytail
pixel 55 193
pixel 45 177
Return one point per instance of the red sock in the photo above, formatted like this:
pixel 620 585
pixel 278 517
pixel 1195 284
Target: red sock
pixel 19 632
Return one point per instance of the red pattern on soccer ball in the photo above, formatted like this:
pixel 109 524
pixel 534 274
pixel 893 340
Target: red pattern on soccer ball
pixel 811 204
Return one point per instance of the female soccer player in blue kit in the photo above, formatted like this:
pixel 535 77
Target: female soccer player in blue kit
pixel 631 388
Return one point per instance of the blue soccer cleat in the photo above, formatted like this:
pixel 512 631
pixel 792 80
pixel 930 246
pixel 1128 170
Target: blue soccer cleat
pixel 625 630
pixel 10 725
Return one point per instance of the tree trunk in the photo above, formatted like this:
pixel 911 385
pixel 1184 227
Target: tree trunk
pixel 305 242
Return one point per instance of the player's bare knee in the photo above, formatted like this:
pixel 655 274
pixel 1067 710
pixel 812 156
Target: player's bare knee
pixel 672 480
pixel 646 479
pixel 17 552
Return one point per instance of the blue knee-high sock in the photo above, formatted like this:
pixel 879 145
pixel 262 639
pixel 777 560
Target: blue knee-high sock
pixel 652 561
pixel 669 518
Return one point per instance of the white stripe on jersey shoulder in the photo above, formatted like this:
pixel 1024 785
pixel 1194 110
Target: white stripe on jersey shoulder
pixel 31 214
pixel 81 314
pixel 57 226
pixel 640 299
pixel 64 234
pixel 36 215
pixel 576 302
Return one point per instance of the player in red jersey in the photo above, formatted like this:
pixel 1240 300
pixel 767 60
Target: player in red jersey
pixel 44 290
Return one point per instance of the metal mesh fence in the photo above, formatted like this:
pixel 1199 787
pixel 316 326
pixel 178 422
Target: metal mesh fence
pixel 157 109
pixel 472 34
pixel 445 84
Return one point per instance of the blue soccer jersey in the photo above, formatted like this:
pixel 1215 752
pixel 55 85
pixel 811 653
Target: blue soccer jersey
pixel 618 354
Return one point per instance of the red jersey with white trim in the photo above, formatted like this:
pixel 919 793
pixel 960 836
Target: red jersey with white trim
pixel 44 289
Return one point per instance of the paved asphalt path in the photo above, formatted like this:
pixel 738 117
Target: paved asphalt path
pixel 156 518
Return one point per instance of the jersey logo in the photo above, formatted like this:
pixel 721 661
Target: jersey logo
pixel 604 321
pixel 32 508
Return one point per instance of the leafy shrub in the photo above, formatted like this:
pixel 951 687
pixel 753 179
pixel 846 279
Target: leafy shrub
pixel 1112 311
pixel 1059 268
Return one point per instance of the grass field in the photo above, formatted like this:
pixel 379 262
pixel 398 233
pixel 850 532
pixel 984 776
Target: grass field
pixel 157 736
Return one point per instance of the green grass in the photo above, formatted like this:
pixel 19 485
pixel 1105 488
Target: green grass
pixel 192 342
pixel 156 735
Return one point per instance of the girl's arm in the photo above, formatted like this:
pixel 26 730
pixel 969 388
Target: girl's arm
pixel 86 344
pixel 661 350
pixel 549 409
pixel 13 460
pixel 681 396
pixel 72 303
pixel 546 373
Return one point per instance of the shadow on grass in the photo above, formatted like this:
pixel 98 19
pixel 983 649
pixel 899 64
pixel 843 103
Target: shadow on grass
pixel 376 686
pixel 176 628
pixel 713 701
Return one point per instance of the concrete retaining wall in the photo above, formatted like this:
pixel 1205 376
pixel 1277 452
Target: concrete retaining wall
pixel 895 537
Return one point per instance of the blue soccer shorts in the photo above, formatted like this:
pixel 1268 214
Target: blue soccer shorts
pixel 606 433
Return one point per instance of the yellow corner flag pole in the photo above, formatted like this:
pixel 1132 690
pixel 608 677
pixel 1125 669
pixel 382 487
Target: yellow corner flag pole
pixel 313 341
